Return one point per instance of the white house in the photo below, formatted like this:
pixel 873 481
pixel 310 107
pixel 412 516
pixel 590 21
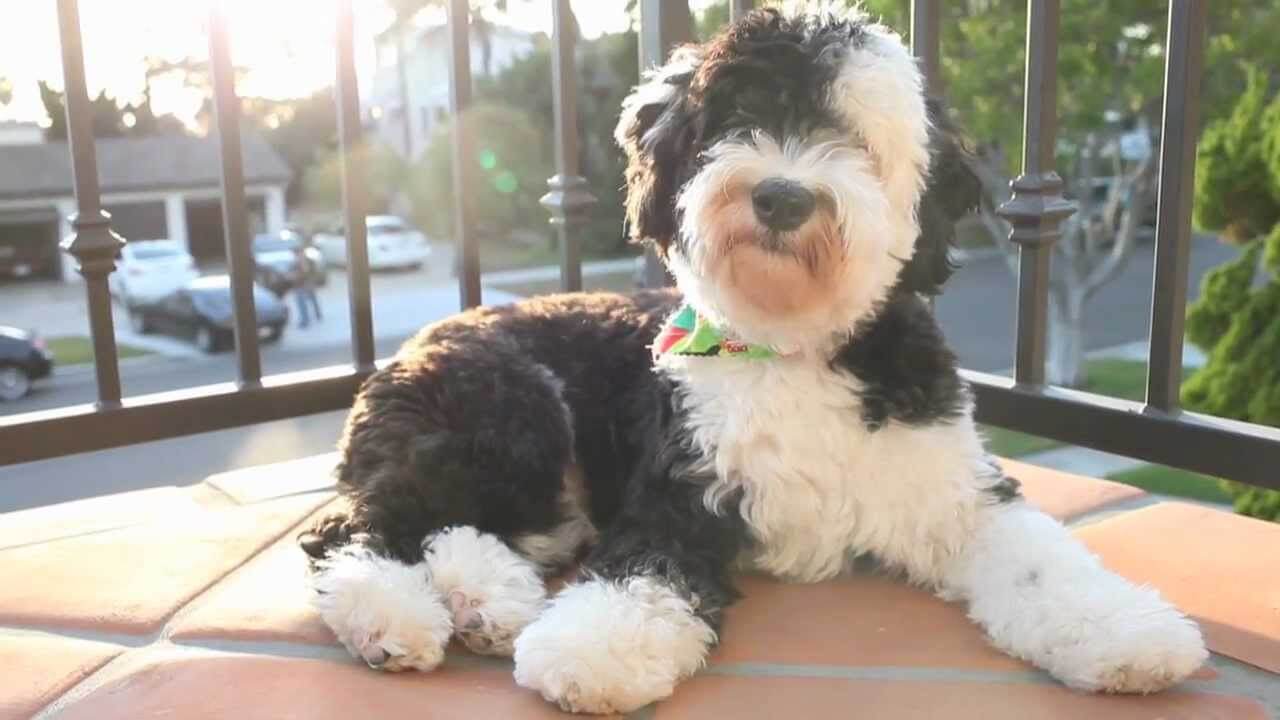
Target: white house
pixel 426 75
pixel 154 187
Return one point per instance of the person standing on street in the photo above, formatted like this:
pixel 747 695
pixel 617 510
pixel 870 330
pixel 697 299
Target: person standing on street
pixel 304 288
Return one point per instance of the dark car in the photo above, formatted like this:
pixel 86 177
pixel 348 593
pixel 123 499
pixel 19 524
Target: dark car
pixel 275 259
pixel 23 360
pixel 202 311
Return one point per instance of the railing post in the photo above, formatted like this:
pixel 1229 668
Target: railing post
pixel 463 157
pixel 568 200
pixel 235 218
pixel 660 31
pixel 354 203
pixel 739 8
pixel 1184 63
pixel 92 244
pixel 926 41
pixel 1037 207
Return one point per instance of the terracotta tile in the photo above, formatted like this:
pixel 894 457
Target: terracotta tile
pixel 265 482
pixel 1063 495
pixel 744 698
pixel 131 580
pixel 218 686
pixel 859 621
pixel 80 517
pixel 39 668
pixel 1224 569
pixel 265 600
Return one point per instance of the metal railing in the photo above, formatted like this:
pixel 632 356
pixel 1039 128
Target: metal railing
pixel 1157 430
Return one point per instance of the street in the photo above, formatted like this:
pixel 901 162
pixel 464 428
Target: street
pixel 976 312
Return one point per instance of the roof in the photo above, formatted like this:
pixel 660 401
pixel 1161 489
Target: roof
pixel 134 164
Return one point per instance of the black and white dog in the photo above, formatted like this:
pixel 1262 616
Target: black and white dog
pixel 792 409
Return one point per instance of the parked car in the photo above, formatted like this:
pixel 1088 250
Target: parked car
pixel 275 261
pixel 392 244
pixel 202 311
pixel 23 360
pixel 148 270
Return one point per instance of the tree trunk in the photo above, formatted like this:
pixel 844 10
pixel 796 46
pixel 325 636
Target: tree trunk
pixel 406 111
pixel 1065 365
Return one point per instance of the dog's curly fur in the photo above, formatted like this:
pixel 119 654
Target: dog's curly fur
pixel 504 444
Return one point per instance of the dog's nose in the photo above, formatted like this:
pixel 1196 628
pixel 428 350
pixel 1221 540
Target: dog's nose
pixel 782 204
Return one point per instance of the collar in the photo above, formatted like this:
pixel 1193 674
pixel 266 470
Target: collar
pixel 689 333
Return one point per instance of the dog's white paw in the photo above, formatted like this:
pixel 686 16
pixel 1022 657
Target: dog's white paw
pixel 611 647
pixel 1139 643
pixel 384 612
pixel 492 592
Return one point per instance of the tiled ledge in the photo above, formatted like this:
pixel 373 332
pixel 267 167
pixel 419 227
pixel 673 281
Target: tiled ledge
pixel 189 603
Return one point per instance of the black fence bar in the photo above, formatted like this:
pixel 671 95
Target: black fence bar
pixel 1184 64
pixel 926 41
pixel 738 8
pixel 93 245
pixel 1200 443
pixel 235 215
pixel 354 203
pixel 568 200
pixel 1037 207
pixel 463 151
pixel 661 29
pixel 83 428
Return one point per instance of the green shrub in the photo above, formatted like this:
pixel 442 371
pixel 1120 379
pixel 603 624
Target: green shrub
pixel 1237 318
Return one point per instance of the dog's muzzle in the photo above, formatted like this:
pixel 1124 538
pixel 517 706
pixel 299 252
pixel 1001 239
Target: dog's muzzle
pixel 782 205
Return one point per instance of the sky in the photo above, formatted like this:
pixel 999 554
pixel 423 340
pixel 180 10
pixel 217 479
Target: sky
pixel 286 45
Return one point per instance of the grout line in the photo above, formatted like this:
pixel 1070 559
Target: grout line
pixel 881 672
pixel 125 640
pixel 1111 509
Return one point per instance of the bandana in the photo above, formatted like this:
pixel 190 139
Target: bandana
pixel 688 333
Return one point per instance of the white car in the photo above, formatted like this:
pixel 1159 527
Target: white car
pixel 147 270
pixel 392 244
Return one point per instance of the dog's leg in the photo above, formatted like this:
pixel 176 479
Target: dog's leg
pixel 646 609
pixel 386 612
pixel 492 592
pixel 1042 596
pixel 956 524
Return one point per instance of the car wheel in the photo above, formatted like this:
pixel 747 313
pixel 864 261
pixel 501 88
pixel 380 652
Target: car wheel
pixel 138 323
pixel 276 333
pixel 207 339
pixel 14 383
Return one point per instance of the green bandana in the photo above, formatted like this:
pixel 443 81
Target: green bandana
pixel 688 333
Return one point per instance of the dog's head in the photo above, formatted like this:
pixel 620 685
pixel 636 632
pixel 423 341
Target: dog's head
pixel 779 170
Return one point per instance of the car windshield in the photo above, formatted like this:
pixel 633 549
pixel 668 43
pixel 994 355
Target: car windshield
pixel 386 229
pixel 274 243
pixel 154 251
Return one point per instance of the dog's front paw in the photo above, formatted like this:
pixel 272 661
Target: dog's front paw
pixel 1138 643
pixel 384 612
pixel 612 646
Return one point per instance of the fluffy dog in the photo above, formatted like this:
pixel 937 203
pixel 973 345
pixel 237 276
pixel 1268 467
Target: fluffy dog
pixel 794 407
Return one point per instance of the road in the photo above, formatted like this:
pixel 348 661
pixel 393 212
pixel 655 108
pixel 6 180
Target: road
pixel 976 312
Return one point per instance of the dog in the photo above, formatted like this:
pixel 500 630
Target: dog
pixel 792 408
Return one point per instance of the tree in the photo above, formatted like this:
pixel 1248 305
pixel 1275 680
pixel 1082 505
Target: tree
pixel 1110 68
pixel 384 175
pixel 6 91
pixel 1237 318
pixel 511 166
pixel 109 117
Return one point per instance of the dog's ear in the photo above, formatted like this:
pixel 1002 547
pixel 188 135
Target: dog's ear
pixel 952 192
pixel 657 131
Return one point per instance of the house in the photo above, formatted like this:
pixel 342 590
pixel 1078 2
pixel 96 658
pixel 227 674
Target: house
pixel 494 48
pixel 154 187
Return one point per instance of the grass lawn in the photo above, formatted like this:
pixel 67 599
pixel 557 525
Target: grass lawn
pixel 78 350
pixel 1124 379
pixel 1171 481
